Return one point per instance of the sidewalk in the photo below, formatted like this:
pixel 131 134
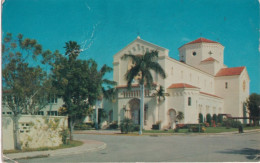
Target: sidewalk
pixel 88 146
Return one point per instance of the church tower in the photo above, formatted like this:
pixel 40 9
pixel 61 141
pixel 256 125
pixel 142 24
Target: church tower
pixel 203 54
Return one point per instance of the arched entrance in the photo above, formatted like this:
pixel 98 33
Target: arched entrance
pixel 134 107
pixel 171 118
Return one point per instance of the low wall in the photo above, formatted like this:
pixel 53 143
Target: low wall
pixel 34 131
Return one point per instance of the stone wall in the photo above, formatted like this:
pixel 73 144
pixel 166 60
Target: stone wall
pixel 34 131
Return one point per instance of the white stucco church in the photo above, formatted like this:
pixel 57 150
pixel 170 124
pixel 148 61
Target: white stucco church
pixel 199 82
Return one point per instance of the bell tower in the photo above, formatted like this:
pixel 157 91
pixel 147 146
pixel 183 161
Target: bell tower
pixel 203 54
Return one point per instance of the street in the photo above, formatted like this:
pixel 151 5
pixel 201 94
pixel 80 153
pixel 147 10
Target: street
pixel 174 148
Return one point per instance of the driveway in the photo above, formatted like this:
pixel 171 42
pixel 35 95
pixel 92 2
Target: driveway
pixel 173 148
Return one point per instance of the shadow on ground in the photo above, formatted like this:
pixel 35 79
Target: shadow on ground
pixel 251 154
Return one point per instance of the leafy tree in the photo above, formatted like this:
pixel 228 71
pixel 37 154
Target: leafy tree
pixel 78 83
pixel 26 86
pixel 143 64
pixel 253 106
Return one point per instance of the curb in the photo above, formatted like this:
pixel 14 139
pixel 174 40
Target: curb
pixel 94 146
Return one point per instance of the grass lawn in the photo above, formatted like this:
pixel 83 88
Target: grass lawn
pixel 73 143
pixel 208 130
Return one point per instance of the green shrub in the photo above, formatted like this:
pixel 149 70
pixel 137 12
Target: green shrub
pixel 113 125
pixel 82 126
pixel 215 118
pixel 155 127
pixel 236 124
pixel 176 129
pixel 208 119
pixel 127 126
pixel 136 127
pixel 200 118
pixel 220 118
pixel 64 133
pixel 228 123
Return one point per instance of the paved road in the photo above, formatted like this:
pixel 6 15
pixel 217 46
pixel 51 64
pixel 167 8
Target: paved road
pixel 175 148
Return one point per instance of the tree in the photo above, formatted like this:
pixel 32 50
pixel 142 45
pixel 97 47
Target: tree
pixel 78 83
pixel 160 93
pixel 142 66
pixel 26 85
pixel 253 106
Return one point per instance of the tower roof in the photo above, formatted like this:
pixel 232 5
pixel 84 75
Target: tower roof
pixel 201 40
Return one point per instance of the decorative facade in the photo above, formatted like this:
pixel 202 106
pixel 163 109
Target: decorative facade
pixel 198 83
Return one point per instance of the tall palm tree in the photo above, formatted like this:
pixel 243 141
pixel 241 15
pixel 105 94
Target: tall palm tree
pixel 142 66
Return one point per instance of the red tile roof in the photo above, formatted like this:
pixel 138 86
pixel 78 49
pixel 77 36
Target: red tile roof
pixel 200 40
pixel 230 71
pixel 208 59
pixel 209 94
pixel 181 85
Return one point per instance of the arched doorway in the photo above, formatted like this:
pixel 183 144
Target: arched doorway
pixel 134 107
pixel 171 118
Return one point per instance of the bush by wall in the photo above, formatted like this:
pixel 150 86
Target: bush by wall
pixel 83 126
pixel 220 118
pixel 113 125
pixel 209 119
pixel 127 126
pixel 215 118
pixel 155 127
pixel 200 118
pixel 228 123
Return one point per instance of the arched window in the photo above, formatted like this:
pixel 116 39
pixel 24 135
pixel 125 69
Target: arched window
pixel 189 101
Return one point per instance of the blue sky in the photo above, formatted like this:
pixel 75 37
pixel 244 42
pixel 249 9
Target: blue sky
pixel 103 27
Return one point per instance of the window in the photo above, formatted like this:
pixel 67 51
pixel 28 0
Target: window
pixel 189 101
pixel 194 53
pixel 52 99
pixel 54 113
pixel 40 113
pixel 3 112
pixel 226 85
pixel 9 112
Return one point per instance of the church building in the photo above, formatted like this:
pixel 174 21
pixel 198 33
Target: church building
pixel 199 82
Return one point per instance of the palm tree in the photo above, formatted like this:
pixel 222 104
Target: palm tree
pixel 160 93
pixel 142 66
pixel 180 116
